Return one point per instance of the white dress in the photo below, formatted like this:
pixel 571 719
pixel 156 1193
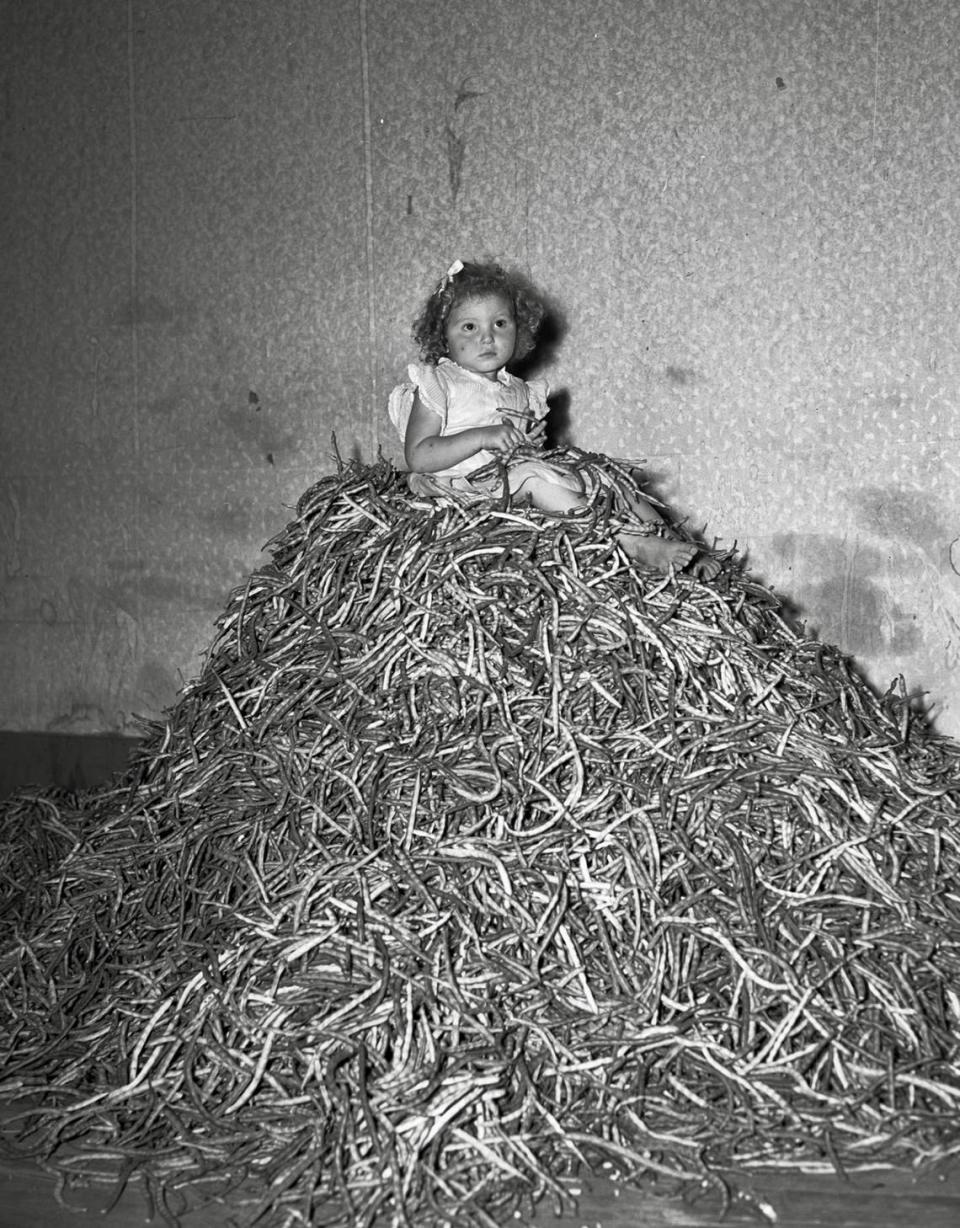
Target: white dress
pixel 462 400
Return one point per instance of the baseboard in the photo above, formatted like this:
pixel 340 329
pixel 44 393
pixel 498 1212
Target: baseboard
pixel 63 760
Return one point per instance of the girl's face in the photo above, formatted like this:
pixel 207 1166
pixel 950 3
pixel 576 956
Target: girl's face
pixel 481 334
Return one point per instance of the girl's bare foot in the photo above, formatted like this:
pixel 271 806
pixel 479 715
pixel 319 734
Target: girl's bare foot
pixel 705 566
pixel 662 553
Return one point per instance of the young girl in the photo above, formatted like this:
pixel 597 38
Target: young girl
pixel 460 410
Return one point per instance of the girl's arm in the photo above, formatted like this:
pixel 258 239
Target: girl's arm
pixel 426 451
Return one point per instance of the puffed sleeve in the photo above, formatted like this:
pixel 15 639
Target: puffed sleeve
pixel 422 378
pixel 432 392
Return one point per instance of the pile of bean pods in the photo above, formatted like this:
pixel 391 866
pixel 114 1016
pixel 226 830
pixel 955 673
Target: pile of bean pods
pixel 475 855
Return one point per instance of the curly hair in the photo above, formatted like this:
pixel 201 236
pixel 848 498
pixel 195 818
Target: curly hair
pixel 473 281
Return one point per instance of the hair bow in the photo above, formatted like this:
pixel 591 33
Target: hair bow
pixel 447 278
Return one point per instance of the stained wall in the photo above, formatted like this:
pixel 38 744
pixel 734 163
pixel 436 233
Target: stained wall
pixel 219 218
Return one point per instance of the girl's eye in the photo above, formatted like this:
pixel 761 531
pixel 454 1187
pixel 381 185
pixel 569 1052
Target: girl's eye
pixel 468 328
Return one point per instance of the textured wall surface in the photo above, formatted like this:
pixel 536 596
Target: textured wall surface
pixel 220 216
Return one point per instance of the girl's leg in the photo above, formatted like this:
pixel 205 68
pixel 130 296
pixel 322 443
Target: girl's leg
pixel 548 496
pixel 647 549
pixel 666 550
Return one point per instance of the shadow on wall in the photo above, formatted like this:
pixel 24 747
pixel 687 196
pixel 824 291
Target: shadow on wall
pixel 550 335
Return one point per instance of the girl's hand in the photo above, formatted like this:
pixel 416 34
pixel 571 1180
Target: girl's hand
pixel 537 433
pixel 502 438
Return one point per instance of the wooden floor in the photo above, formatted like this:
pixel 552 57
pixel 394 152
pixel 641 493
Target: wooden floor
pixel 876 1200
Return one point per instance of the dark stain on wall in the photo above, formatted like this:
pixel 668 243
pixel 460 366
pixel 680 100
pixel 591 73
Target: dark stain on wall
pixel 681 377
pixel 456 150
pixel 900 515
pixel 847 607
pixel 231 519
pixel 855 613
pixel 157 683
pixel 132 587
pixel 80 715
pixel 146 309
pixel 251 423
pixel 830 554
pixel 162 406
pixel 455 135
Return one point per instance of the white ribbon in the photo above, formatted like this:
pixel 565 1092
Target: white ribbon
pixel 447 278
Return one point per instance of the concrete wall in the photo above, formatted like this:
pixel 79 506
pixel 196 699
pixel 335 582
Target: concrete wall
pixel 219 217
